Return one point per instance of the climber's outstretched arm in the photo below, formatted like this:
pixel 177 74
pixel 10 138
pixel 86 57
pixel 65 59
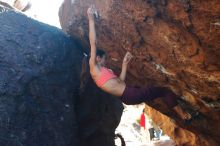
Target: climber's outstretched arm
pixel 92 37
pixel 126 60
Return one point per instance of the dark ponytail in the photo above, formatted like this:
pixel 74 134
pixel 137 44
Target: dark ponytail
pixel 84 76
pixel 85 73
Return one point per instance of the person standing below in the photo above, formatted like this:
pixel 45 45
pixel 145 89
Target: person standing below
pixel 142 120
pixel 143 127
pixel 151 130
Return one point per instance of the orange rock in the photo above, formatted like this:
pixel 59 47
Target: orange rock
pixel 175 44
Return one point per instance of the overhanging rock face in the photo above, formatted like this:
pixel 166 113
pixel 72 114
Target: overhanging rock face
pixel 175 44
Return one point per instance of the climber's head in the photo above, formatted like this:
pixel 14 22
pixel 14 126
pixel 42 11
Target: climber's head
pixel 100 57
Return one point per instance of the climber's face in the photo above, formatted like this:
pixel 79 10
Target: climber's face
pixel 101 60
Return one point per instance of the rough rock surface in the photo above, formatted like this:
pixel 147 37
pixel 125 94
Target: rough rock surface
pixel 40 104
pixel 37 85
pixel 98 116
pixel 175 44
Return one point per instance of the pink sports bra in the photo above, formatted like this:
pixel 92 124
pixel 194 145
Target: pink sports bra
pixel 106 74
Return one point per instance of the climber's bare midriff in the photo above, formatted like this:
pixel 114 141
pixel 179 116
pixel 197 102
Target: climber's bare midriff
pixel 114 86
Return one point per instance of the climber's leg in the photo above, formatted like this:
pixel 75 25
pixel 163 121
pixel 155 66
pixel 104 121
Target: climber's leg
pixel 134 95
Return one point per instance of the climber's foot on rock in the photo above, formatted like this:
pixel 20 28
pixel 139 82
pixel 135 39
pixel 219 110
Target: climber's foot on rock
pixel 181 113
pixel 193 116
pixel 187 117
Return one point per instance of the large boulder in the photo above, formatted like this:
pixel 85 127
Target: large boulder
pixel 39 70
pixel 40 102
pixel 175 44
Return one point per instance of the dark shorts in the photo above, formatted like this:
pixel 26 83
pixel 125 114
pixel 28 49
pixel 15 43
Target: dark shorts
pixel 134 95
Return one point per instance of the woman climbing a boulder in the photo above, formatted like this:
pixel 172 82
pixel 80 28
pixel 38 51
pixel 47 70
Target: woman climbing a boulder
pixel 106 80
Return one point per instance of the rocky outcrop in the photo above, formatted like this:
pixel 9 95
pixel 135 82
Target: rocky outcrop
pixel 40 104
pixel 180 135
pixel 21 5
pixel 38 87
pixel 175 44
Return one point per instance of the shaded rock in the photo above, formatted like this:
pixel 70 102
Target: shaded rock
pixel 175 44
pixel 40 69
pixel 39 79
pixel 180 135
pixel 98 116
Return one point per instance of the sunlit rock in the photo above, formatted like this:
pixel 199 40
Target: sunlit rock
pixel 175 44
